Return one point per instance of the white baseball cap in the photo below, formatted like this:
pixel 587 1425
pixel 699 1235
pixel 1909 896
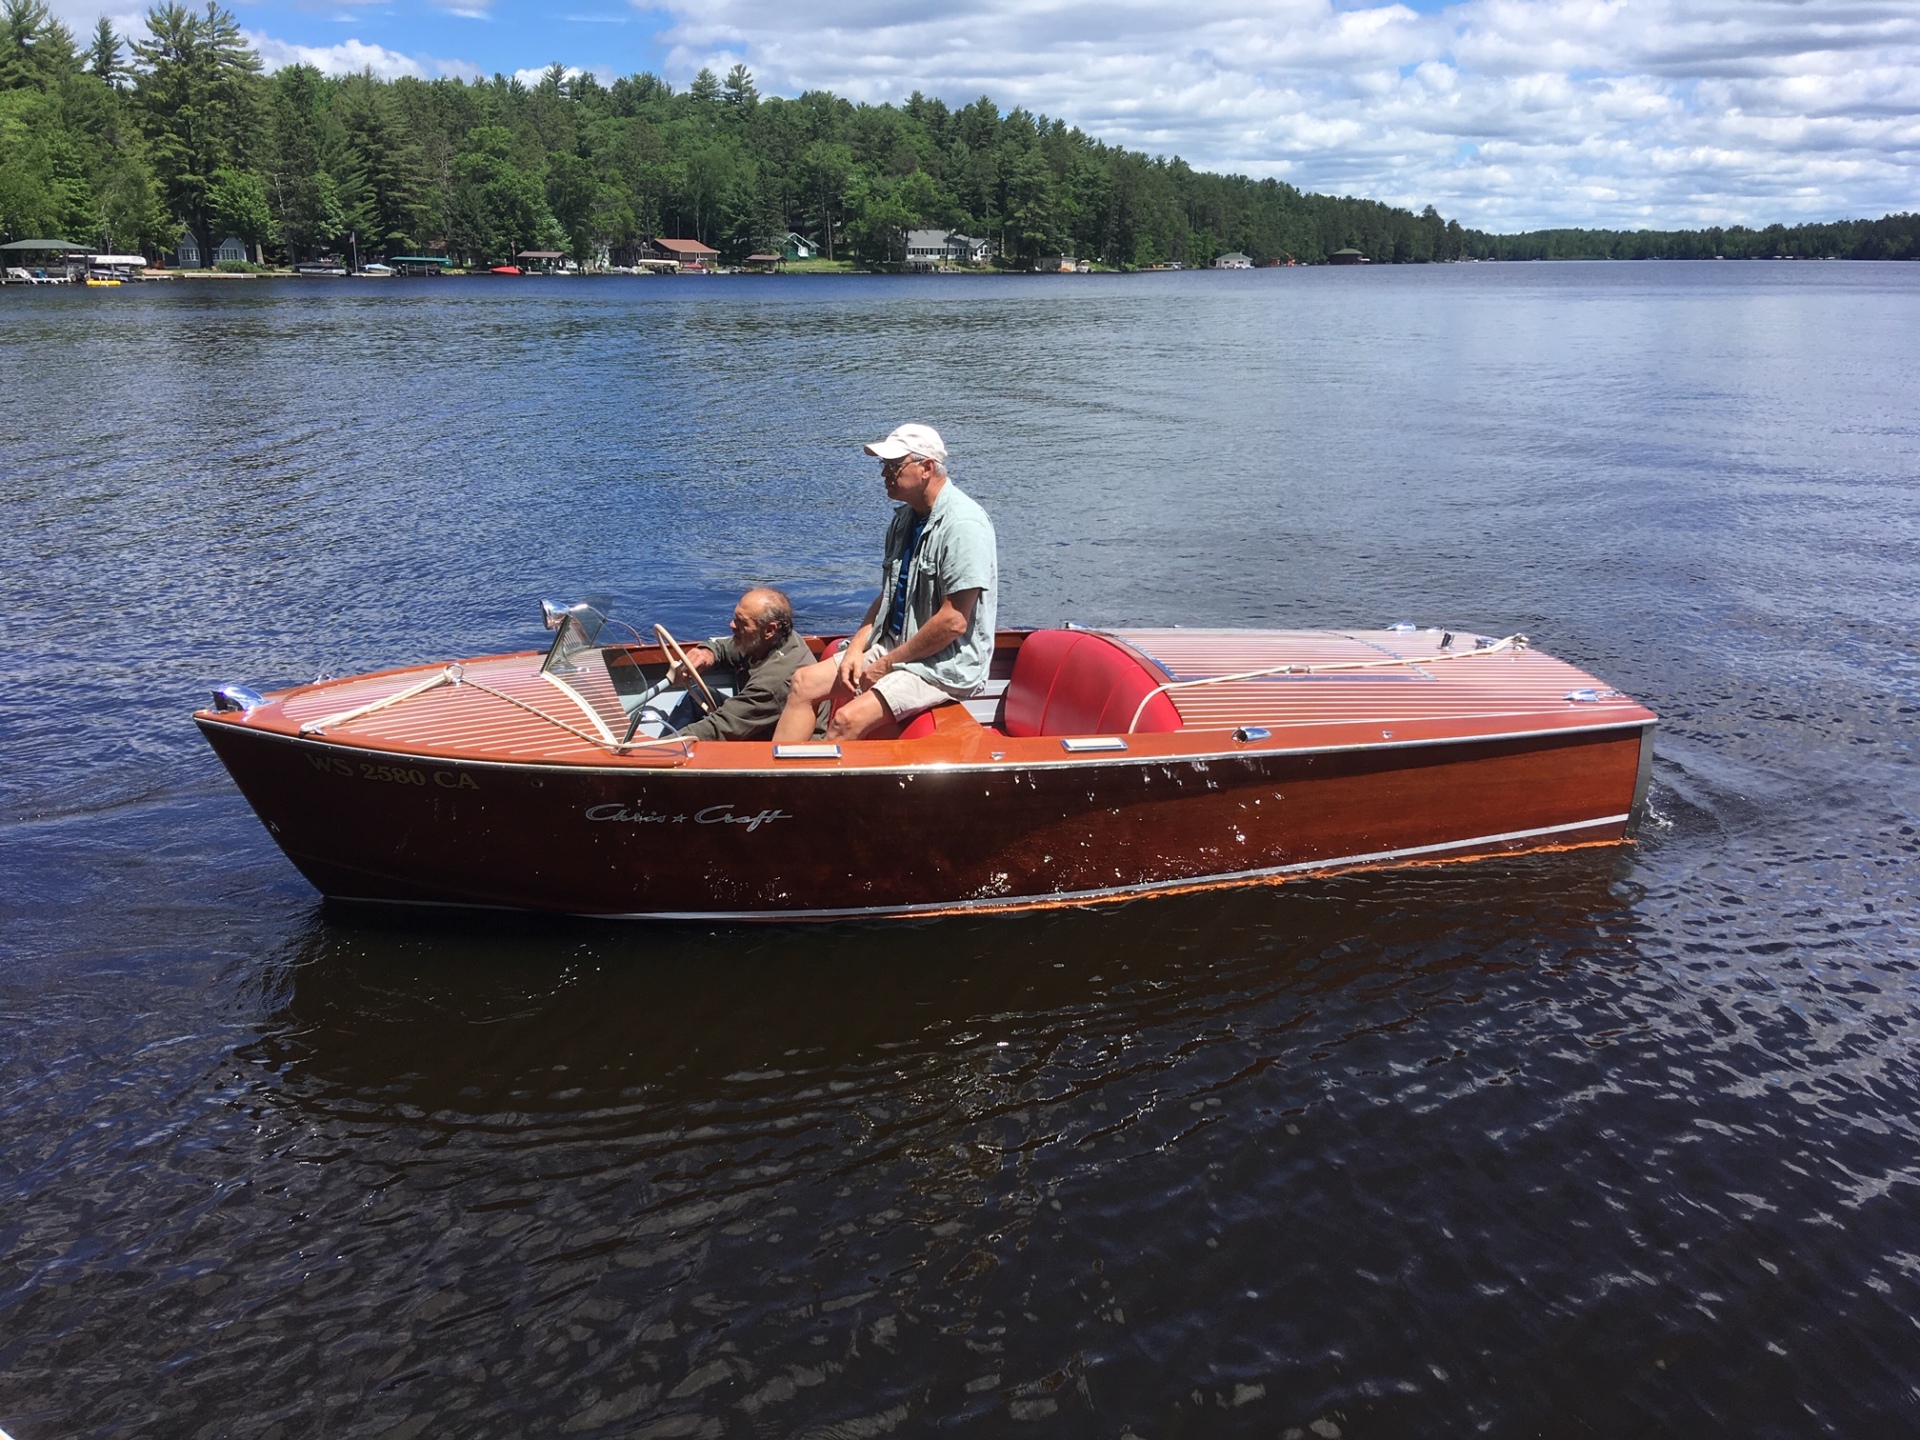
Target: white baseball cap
pixel 910 440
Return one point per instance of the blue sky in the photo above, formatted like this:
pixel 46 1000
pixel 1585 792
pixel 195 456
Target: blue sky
pixel 1507 114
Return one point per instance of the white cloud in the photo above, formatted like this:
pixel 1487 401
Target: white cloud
pixel 603 73
pixel 349 57
pixel 1506 113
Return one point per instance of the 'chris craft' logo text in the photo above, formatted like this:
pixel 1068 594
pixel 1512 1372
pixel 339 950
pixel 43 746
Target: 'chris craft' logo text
pixel 712 815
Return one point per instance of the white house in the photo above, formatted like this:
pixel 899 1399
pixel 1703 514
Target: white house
pixel 927 249
pixel 187 253
pixel 1233 260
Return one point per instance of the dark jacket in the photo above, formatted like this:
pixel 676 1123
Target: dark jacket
pixel 760 694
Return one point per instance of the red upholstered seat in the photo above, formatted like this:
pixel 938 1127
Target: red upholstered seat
pixel 1070 682
pixel 919 726
pixel 1023 710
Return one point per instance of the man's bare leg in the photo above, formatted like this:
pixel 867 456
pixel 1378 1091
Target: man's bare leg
pixel 811 685
pixel 858 717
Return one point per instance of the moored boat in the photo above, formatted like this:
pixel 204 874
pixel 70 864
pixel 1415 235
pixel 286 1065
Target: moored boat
pixel 1097 766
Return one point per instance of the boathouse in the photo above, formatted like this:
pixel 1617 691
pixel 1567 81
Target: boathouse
pixel 1233 260
pixel 687 252
pixel 1349 256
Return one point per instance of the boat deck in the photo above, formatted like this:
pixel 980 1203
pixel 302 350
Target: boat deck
pixel 1314 690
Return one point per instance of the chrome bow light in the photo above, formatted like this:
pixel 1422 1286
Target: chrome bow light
pixel 242 698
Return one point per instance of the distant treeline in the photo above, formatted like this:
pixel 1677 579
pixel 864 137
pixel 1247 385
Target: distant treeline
pixel 125 146
pixel 1896 237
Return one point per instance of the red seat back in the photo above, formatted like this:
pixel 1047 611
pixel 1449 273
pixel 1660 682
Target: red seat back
pixel 1070 682
pixel 918 727
pixel 1023 711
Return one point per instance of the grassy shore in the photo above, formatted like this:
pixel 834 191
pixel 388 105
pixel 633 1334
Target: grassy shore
pixel 822 267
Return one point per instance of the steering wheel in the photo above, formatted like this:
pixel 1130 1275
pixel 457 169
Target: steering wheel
pixel 679 658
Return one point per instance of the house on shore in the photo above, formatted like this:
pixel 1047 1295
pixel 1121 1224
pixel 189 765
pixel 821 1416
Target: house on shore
pixel 186 254
pixel 931 249
pixel 798 247
pixel 1348 256
pixel 690 254
pixel 1233 260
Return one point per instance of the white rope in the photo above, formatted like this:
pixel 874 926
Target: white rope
pixel 448 676
pixel 1511 642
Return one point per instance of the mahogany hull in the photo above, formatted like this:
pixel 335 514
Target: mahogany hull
pixel 785 844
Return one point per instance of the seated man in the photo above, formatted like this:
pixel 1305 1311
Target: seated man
pixel 928 635
pixel 764 652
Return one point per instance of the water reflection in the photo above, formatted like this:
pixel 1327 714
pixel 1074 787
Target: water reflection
pixel 668 1007
pixel 965 1169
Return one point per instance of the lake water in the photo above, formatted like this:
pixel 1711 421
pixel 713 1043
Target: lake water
pixel 1614 1143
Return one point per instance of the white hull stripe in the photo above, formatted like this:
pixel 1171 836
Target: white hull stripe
pixel 1065 897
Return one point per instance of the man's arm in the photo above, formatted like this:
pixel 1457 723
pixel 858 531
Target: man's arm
pixel 719 650
pixel 854 656
pixel 752 713
pixel 943 627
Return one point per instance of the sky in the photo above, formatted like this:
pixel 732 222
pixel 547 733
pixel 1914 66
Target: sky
pixel 1504 114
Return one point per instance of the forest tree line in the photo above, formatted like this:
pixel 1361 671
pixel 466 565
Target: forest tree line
pixel 124 144
pixel 1893 237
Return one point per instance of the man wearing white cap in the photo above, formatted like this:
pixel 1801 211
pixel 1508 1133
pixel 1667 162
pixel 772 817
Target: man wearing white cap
pixel 928 636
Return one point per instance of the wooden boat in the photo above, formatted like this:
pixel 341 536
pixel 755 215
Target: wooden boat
pixel 1097 766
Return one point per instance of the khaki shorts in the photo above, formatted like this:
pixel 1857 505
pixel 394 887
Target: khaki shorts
pixel 905 693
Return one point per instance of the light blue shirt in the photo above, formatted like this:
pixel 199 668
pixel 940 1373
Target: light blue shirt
pixel 956 551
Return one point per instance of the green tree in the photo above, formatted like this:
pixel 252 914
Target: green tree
pixel 390 209
pixel 633 175
pixel 303 187
pixel 36 51
pixel 195 90
pixel 739 90
pixel 103 56
pixel 572 193
pixel 238 202
pixel 498 207
pixel 1032 225
pixel 828 165
pixel 709 172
